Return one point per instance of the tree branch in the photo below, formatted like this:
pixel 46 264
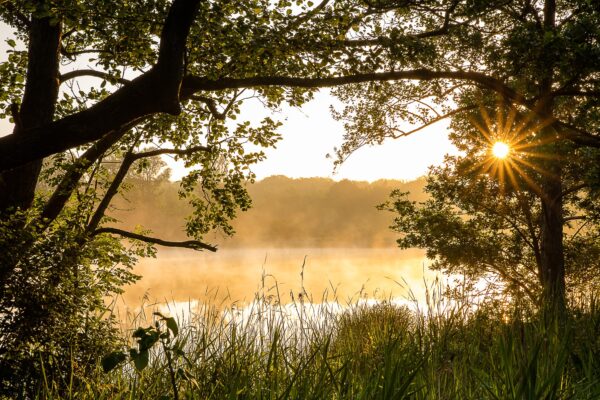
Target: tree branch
pixel 434 120
pixel 574 189
pixel 153 92
pixel 128 161
pixel 212 107
pixel 192 84
pixel 575 218
pixel 72 54
pixel 308 15
pixel 146 95
pixel 181 152
pixel 112 191
pixel 576 93
pixel 576 135
pixel 90 72
pixel 68 183
pixel 188 244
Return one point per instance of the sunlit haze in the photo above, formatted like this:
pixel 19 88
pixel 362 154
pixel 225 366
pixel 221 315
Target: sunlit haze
pixel 310 133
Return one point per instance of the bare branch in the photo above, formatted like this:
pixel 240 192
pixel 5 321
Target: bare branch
pixel 575 218
pixel 434 120
pixel 188 244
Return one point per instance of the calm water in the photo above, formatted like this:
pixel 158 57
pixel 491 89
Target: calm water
pixel 236 275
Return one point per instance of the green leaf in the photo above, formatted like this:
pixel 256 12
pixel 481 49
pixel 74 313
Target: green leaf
pixel 141 360
pixel 11 43
pixel 110 361
pixel 172 325
pixel 149 340
pixel 139 333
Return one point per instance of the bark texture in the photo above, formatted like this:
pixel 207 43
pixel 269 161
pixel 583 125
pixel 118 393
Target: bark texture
pixel 17 186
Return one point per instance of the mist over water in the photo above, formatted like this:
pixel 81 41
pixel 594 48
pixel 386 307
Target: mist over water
pixel 317 237
pixel 236 275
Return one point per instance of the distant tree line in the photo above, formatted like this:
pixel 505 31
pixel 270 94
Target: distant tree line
pixel 286 212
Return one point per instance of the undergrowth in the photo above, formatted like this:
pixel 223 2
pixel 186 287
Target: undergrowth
pixel 439 349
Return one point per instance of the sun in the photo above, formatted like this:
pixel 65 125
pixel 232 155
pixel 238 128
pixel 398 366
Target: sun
pixel 500 150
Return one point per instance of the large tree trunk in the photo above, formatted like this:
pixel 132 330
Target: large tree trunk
pixel 552 259
pixel 17 186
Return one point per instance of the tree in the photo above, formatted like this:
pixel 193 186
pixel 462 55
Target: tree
pixel 524 72
pixel 170 73
pixel 480 226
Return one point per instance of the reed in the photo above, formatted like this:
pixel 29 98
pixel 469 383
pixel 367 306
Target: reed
pixel 441 348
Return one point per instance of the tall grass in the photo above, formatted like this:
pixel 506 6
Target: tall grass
pixel 437 349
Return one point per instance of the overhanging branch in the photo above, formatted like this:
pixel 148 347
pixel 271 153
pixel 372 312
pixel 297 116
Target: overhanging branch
pixel 180 152
pixel 93 73
pixel 153 92
pixel 188 244
pixel 192 84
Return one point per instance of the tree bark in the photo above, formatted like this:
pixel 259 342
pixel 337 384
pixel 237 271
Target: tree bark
pixel 17 186
pixel 552 271
pixel 551 241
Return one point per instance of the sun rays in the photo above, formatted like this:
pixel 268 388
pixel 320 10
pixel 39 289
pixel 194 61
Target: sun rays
pixel 509 147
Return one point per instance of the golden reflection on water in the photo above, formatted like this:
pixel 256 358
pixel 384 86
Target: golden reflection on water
pixel 236 275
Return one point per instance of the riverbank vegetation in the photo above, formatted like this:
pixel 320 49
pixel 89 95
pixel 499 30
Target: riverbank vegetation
pixel 441 349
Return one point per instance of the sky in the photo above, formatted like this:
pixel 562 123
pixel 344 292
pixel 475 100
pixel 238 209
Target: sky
pixel 310 133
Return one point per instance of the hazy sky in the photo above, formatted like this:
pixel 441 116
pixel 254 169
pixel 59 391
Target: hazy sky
pixel 309 133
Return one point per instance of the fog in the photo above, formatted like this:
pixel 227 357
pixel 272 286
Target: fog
pixel 314 237
pixel 236 275
pixel 286 213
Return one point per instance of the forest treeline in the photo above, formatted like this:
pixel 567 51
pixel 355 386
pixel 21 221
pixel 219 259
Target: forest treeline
pixel 286 212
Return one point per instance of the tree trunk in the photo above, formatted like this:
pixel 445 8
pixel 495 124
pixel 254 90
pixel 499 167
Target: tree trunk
pixel 17 186
pixel 552 260
pixel 551 242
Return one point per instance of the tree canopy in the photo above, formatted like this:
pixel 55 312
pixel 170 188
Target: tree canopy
pixel 169 74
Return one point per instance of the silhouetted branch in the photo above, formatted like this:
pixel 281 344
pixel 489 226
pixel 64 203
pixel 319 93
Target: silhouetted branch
pixel 433 121
pixel 180 152
pixel 90 72
pixel 188 244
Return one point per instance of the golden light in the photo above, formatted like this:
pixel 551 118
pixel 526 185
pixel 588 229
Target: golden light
pixel 500 150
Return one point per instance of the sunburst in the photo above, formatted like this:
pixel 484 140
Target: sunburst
pixel 510 141
pixel 500 150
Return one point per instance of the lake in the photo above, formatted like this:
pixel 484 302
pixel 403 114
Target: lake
pixel 341 275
